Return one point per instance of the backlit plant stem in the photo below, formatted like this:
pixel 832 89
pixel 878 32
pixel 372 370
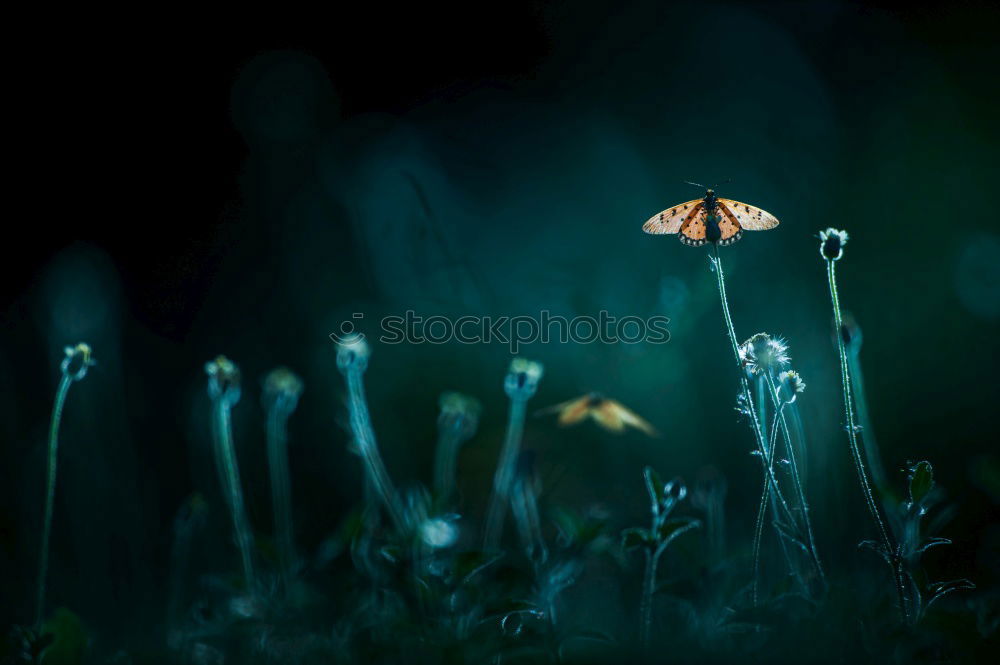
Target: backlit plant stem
pixel 232 488
pixel 74 368
pixel 762 509
pixel 859 465
pixel 281 394
pixel 745 384
pixel 779 406
pixel 520 385
pixel 352 359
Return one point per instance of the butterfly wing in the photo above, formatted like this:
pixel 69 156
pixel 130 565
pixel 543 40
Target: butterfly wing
pixel 693 231
pixel 570 412
pixel 671 219
pixel 747 216
pixel 632 419
pixel 607 414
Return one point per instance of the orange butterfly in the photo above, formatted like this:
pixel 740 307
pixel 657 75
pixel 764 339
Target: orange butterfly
pixel 711 219
pixel 608 413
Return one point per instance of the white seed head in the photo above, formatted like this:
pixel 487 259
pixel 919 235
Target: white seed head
pixel 790 384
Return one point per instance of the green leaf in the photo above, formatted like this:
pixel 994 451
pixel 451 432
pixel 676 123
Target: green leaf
pixel 673 528
pixel 636 537
pixel 654 485
pixel 921 482
pixel 70 643
pixel 939 589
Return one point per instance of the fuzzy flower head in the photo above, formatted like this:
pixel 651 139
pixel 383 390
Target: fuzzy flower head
pixel 522 378
pixel 460 411
pixel 763 352
pixel 352 354
pixel 77 361
pixel 282 388
pixel 790 384
pixel 831 243
pixel 223 379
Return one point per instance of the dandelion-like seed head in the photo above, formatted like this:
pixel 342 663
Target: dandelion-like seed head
pixel 831 243
pixel 282 387
pixel 223 379
pixel 522 378
pixel 352 354
pixel 790 384
pixel 77 361
pixel 763 352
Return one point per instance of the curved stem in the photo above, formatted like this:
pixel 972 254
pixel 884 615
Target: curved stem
pixel 361 427
pixel 859 465
pixel 796 480
pixel 230 474
pixel 745 385
pixel 504 476
pixel 50 494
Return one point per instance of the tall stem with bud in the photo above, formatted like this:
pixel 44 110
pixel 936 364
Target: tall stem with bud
pixel 831 248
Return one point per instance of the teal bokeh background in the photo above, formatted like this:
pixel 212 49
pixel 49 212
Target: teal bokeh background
pixel 505 167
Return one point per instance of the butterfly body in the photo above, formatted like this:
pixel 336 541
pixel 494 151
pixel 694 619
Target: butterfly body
pixel 710 220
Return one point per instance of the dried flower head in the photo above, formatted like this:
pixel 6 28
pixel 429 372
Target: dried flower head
pixel 352 353
pixel 831 243
pixel 461 411
pixel 790 384
pixel 77 361
pixel 522 378
pixel 223 379
pixel 282 387
pixel 763 352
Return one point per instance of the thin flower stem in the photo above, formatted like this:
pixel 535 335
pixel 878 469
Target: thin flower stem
pixel 867 431
pixel 504 477
pixel 230 474
pixel 745 384
pixel 646 604
pixel 759 526
pixel 361 427
pixel 796 480
pixel 281 501
pixel 446 455
pixel 50 494
pixel 859 465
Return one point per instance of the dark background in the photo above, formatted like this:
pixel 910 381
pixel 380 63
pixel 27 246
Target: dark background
pixel 194 187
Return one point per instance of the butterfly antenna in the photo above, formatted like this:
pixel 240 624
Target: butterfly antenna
pixel 724 182
pixel 687 182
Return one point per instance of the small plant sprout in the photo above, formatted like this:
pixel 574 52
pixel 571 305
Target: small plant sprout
pixel 352 360
pixel 224 390
pixel 457 423
pixel 663 498
pixel 832 242
pixel 520 385
pixel 74 367
pixel 281 395
pixel 922 496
